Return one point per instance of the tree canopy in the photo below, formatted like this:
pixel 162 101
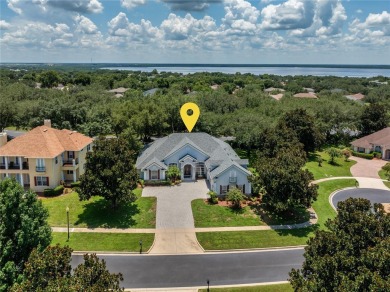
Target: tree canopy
pixel 352 255
pixel 110 172
pixel 23 227
pixel 374 118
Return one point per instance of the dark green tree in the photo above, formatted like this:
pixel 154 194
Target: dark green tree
pixel 49 79
pixel 7 112
pixel 304 126
pixel 173 173
pixel 110 172
pixel 50 270
pixel 23 227
pixel 285 183
pixel 374 118
pixel 352 255
pixel 235 196
pixel 82 79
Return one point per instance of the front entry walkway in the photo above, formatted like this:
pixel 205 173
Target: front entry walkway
pixel 175 233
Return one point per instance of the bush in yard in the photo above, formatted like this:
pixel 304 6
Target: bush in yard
pixel 213 197
pixel 386 168
pixel 346 153
pixel 53 192
pixel 75 184
pixel 363 155
pixel 157 183
pixel 333 153
pixel 235 196
pixel 173 173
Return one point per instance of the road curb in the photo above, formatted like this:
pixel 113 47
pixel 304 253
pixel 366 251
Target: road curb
pixel 334 193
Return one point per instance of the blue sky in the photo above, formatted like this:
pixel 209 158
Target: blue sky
pixel 197 31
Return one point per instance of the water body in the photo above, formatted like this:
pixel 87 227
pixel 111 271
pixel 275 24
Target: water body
pixel 282 70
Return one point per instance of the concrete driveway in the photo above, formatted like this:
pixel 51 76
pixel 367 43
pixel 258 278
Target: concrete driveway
pixel 366 172
pixel 174 220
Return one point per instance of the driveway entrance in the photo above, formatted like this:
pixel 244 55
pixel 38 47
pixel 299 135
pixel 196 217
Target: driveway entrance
pixel 174 220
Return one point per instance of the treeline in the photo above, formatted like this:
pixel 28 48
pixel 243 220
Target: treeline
pixel 231 105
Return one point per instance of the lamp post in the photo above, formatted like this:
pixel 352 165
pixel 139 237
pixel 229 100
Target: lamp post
pixel 67 215
pixel 208 285
pixel 140 246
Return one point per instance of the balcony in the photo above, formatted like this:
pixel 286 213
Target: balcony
pixel 70 162
pixel 232 179
pixel 2 165
pixel 40 169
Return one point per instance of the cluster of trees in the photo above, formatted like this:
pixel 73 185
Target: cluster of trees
pixel 352 255
pixel 28 263
pixel 239 107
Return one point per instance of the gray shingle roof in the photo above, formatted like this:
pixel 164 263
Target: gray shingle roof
pixel 219 153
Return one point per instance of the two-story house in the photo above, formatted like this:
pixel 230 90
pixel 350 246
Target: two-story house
pixel 197 155
pixel 44 157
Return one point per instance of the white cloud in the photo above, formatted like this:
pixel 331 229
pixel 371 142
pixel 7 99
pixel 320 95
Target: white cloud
pixel 81 6
pixel 190 5
pixel 4 25
pixel 85 25
pixel 378 19
pixel 359 11
pixel 130 4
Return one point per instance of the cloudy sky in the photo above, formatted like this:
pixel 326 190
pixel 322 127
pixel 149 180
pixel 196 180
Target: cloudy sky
pixel 197 31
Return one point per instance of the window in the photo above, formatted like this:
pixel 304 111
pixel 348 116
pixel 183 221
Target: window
pixel 69 172
pixel 88 147
pixel 71 154
pixel 154 174
pixel 41 181
pixel 40 165
pixel 224 189
pixel 200 169
pixel 56 160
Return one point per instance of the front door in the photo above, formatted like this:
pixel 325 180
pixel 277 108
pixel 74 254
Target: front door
pixel 187 171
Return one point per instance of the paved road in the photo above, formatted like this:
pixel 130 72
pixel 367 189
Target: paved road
pixel 374 195
pixel 162 271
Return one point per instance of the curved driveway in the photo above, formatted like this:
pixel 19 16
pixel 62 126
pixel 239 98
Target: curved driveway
pixel 374 195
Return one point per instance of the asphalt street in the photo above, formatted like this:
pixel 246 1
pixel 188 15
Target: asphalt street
pixel 162 271
pixel 374 195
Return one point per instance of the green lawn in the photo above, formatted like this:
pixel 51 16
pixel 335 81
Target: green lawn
pixel 206 215
pixel 104 241
pixel 340 168
pixel 383 176
pixel 262 288
pixel 277 238
pixel 97 212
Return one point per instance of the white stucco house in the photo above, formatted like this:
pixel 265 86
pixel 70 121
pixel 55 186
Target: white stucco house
pixel 378 142
pixel 197 155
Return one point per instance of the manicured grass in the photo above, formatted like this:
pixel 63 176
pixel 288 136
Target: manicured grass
pixel 206 215
pixel 276 238
pixel 97 212
pixel 383 176
pixel 261 288
pixel 339 168
pixel 104 241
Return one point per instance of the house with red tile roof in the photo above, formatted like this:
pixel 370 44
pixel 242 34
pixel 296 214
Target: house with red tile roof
pixel 378 142
pixel 44 157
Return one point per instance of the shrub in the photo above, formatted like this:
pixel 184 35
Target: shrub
pixel 157 183
pixel 377 155
pixel 363 155
pixel 235 196
pixel 75 184
pixel 53 192
pixel 347 153
pixel 333 153
pixel 213 197
pixel 141 182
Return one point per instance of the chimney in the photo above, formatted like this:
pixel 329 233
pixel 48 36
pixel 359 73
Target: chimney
pixel 3 139
pixel 47 123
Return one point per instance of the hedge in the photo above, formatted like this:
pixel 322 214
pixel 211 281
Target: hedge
pixel 363 155
pixel 53 192
pixel 75 184
pixel 157 183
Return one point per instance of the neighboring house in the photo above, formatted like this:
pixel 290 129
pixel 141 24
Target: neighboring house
pixel 378 142
pixel 197 155
pixel 150 91
pixel 277 96
pixel 355 97
pixel 308 89
pixel 119 90
pixel 43 157
pixel 273 89
pixel 305 95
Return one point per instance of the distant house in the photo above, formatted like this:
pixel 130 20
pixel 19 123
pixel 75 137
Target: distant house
pixel 197 155
pixel 308 89
pixel 305 95
pixel 150 92
pixel 119 90
pixel 214 86
pixel 355 97
pixel 273 89
pixel 378 142
pixel 378 82
pixel 43 157
pixel 277 96
pixel 336 90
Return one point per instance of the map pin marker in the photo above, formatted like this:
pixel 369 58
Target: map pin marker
pixel 189 119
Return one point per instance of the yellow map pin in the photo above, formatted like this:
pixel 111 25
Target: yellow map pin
pixel 189 119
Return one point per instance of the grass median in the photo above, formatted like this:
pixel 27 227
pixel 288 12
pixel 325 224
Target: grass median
pixel 124 242
pixel 277 238
pixel 97 212
pixel 382 175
